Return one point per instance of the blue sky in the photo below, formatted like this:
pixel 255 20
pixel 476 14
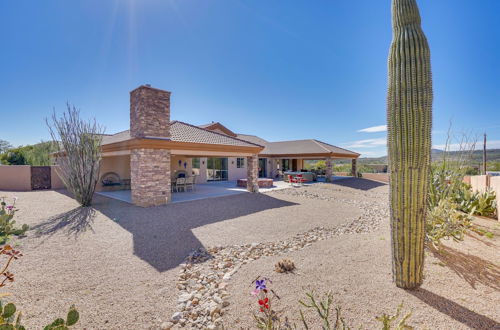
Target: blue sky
pixel 278 69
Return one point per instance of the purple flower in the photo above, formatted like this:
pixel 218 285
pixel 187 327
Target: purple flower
pixel 10 207
pixel 260 284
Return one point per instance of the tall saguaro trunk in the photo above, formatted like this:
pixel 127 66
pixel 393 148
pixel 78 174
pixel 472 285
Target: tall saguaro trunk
pixel 409 121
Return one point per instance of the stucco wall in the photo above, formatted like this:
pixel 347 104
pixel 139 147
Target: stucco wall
pixel 15 177
pixel 234 172
pixel 118 164
pixel 479 182
pixel 55 180
pixel 382 177
pixel 495 186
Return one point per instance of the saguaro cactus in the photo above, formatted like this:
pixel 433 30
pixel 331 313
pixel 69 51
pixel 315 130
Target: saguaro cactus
pixel 409 120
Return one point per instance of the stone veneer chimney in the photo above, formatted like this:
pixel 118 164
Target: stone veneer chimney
pixel 149 112
pixel 150 168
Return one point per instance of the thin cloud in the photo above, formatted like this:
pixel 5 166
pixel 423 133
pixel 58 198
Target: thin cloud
pixel 368 143
pixel 374 129
pixel 493 144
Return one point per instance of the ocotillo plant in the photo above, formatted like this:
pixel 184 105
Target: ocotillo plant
pixel 409 120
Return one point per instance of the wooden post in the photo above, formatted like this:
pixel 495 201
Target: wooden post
pixel 484 155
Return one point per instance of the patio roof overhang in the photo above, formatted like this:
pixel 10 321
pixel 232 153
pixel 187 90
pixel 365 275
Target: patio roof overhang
pixel 180 148
pixel 312 156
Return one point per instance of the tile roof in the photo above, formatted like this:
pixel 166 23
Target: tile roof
pixel 310 146
pixel 183 132
pixel 253 139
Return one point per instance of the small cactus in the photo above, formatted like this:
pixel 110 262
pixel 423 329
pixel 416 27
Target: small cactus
pixel 284 266
pixel 61 324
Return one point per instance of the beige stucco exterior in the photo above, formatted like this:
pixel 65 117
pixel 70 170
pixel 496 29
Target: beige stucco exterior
pixel 18 178
pixel 117 164
pixel 495 186
pixel 15 177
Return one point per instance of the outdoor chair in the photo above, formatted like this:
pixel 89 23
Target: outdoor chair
pixel 292 180
pixel 300 179
pixel 189 183
pixel 180 183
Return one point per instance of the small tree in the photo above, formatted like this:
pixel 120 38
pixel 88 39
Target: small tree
pixel 78 144
pixel 4 146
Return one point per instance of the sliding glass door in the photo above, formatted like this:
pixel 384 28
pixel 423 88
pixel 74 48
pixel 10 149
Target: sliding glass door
pixel 217 169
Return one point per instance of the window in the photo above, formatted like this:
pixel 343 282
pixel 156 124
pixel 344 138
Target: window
pixel 196 163
pixel 240 162
pixel 285 165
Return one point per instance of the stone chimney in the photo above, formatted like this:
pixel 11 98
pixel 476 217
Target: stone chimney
pixel 149 112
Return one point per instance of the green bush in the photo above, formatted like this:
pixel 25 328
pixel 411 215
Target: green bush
pixel 13 157
pixel 36 154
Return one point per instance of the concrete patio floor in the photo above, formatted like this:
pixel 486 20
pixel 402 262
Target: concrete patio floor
pixel 205 190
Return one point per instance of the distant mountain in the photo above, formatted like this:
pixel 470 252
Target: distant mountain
pixel 477 156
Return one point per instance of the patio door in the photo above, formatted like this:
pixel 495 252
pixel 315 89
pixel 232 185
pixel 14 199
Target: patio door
pixel 217 169
pixel 262 167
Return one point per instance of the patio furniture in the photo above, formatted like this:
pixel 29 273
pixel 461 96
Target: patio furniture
pixel 112 181
pixel 300 179
pixel 189 183
pixel 307 176
pixel 180 183
pixel 292 180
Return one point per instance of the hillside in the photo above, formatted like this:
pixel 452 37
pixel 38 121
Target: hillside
pixel 492 155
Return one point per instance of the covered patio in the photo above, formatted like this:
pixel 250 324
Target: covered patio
pixel 210 190
pixel 201 191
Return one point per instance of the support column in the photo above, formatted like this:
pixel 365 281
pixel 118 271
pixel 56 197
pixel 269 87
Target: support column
pixel 273 169
pixel 150 177
pixel 253 173
pixel 354 169
pixel 329 172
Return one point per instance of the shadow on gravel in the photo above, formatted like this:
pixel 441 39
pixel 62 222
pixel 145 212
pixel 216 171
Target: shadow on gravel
pixel 163 235
pixel 72 223
pixel 358 183
pixel 471 268
pixel 455 311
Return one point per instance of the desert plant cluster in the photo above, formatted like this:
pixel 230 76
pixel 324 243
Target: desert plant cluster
pixel 452 203
pixel 267 318
pixel 7 222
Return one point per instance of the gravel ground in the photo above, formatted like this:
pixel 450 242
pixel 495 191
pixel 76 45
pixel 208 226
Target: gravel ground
pixel 120 264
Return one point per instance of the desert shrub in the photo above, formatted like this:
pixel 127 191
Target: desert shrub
pixel 268 319
pixel 78 145
pixel 474 202
pixel 388 320
pixel 445 221
pixel 284 266
pixel 7 222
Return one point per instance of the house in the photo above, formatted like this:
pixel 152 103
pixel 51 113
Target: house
pixel 155 149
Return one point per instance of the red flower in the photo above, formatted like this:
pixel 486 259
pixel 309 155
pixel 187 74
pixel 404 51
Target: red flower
pixel 264 303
